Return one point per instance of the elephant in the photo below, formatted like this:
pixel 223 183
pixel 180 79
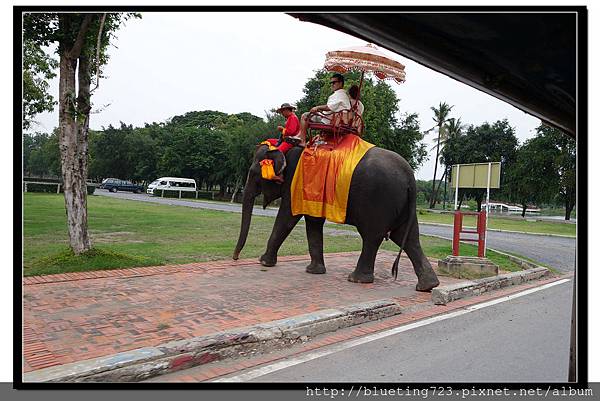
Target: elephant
pixel 376 217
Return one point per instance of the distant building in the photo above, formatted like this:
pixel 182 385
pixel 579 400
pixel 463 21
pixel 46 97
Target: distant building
pixel 499 207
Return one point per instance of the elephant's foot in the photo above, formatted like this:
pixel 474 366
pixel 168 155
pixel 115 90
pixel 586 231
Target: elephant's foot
pixel 268 261
pixel 359 277
pixel 316 268
pixel 426 284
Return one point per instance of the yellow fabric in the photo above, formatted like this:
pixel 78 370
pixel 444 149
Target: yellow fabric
pixel 322 179
pixel 266 169
pixel 271 147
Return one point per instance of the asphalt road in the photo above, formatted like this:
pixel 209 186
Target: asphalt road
pixel 558 252
pixel 524 339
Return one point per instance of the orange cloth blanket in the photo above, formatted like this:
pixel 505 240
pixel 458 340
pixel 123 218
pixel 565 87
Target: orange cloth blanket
pixel 322 179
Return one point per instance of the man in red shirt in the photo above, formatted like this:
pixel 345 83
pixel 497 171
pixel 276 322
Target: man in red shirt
pixel 291 129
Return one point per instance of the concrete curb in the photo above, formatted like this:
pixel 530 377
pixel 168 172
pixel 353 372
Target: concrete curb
pixel 503 231
pixel 449 293
pixel 143 363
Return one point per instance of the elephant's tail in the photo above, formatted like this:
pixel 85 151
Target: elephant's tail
pixel 412 212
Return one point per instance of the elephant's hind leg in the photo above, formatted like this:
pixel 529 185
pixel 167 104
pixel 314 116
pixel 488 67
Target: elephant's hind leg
pixel 427 279
pixel 363 273
pixel 314 234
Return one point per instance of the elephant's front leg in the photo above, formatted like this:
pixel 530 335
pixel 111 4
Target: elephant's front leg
pixel 284 224
pixel 314 234
pixel 363 273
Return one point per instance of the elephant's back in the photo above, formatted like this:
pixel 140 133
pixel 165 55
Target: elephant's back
pixel 379 186
pixel 389 166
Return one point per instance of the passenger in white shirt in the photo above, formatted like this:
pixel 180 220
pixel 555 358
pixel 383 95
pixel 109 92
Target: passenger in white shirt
pixel 337 101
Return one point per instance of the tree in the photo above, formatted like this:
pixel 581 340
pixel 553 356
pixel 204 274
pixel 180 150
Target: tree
pixel 533 177
pixel 564 150
pixel 38 69
pixel 424 190
pixel 440 115
pixel 111 152
pixel 144 157
pixel 406 140
pixel 481 144
pixel 39 158
pixel 82 40
pixel 453 132
pixel 208 119
pixel 41 155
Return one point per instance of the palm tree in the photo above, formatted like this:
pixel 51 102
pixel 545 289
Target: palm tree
pixel 453 130
pixel 440 115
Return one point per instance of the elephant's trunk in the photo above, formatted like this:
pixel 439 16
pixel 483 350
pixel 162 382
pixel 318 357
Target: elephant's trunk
pixel 247 205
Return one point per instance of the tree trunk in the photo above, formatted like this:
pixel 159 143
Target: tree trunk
pixel 569 205
pixel 238 182
pixel 435 191
pixel 445 194
pixel 437 155
pixel 73 136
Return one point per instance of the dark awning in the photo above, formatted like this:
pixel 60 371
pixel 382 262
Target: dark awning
pixel 525 59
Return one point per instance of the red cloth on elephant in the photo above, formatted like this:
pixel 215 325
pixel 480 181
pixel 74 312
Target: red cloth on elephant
pixel 284 147
pixel 321 182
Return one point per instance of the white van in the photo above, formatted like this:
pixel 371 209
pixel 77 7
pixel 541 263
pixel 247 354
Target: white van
pixel 173 184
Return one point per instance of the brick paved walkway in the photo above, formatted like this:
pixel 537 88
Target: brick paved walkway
pixel 211 371
pixel 78 316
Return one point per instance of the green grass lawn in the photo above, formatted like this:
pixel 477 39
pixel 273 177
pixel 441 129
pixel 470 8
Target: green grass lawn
pixel 130 233
pixel 500 223
pixel 494 222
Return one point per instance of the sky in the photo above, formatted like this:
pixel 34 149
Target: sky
pixel 167 64
pixel 154 74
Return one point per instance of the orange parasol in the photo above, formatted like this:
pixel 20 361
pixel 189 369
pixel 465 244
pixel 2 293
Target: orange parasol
pixel 366 58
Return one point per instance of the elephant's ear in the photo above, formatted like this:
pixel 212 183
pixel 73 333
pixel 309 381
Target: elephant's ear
pixel 278 160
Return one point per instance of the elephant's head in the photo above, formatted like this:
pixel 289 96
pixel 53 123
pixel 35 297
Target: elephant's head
pixel 255 185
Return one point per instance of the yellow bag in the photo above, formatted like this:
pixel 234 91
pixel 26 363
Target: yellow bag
pixel 266 169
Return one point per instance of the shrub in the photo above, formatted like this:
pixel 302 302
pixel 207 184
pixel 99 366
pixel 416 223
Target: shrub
pixel 47 188
pixel 169 193
pixel 51 188
pixel 205 195
pixel 51 180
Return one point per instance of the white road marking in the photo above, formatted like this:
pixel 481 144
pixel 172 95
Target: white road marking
pixel 373 337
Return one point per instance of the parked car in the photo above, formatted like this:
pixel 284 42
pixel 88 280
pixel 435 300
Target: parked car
pixel 115 184
pixel 101 186
pixel 173 184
